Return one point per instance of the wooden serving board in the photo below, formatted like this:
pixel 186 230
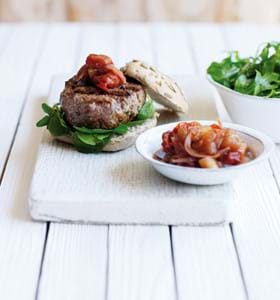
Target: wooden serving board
pixel 121 188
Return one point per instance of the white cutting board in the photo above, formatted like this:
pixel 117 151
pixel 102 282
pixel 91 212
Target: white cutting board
pixel 121 188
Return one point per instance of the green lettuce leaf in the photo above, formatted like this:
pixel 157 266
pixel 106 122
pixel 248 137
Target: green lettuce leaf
pixel 147 111
pixel 88 140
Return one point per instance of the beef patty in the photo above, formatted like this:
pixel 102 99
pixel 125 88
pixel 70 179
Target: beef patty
pixel 85 105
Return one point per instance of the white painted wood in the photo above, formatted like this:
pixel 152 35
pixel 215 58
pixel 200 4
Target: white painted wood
pixel 206 264
pixel 75 263
pixel 21 240
pixel 207 44
pixel 244 39
pixel 204 257
pixel 76 256
pixel 275 164
pixel 130 196
pixel 135 42
pixel 140 263
pixel 16 75
pixel 54 60
pixel 96 38
pixel 256 231
pixel 173 55
pixel 6 31
pixel 257 225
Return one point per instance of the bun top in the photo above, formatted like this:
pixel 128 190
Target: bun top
pixel 160 87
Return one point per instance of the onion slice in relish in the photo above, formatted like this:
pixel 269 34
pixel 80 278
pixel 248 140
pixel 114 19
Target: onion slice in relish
pixel 194 153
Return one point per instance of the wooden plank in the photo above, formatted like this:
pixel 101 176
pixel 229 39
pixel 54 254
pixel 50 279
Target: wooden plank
pixel 205 258
pixel 172 53
pixel 275 164
pixel 16 75
pixel 140 264
pixel 22 241
pixel 75 265
pixel 206 264
pixel 140 46
pixel 246 38
pixel 257 226
pixel 101 42
pixel 207 44
pixel 6 31
pixel 204 52
pixel 256 231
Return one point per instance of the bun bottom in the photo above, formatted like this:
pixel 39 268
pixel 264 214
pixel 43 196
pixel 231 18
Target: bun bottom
pixel 120 142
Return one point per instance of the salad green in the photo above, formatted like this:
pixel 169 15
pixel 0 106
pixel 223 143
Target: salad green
pixel 87 140
pixel 258 75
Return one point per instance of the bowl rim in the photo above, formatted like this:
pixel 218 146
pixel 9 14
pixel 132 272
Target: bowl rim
pixel 267 142
pixel 248 97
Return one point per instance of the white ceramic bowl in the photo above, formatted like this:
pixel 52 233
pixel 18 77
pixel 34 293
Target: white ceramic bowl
pixel 256 112
pixel 150 141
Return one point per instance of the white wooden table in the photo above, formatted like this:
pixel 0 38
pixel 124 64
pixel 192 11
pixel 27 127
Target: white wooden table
pixel 62 261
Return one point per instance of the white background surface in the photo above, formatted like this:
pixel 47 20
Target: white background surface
pixel 62 261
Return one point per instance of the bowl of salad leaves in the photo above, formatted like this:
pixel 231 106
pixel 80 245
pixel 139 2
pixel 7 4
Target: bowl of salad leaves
pixel 250 88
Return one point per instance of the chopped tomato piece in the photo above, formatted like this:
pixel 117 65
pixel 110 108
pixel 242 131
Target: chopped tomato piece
pixel 101 72
pixel 82 73
pixel 106 82
pixel 98 60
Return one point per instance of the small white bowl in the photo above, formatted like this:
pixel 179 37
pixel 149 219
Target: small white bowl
pixel 256 112
pixel 150 141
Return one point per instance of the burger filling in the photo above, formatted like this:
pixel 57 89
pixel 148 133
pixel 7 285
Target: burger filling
pixel 96 104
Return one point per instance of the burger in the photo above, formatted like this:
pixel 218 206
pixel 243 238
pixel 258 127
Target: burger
pixel 102 108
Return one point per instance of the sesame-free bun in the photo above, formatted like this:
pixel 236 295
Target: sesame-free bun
pixel 160 87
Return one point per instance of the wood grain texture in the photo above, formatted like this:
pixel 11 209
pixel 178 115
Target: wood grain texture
pixel 91 239
pixel 140 263
pixel 205 261
pixel 257 226
pixel 13 66
pixel 256 231
pixel 97 38
pixel 275 164
pixel 173 55
pixel 204 52
pixel 22 241
pixel 135 42
pixel 197 275
pixel 206 264
pixel 79 251
pixel 75 263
